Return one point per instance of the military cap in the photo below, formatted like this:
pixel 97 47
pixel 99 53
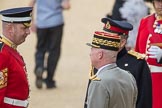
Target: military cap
pixel 17 15
pixel 105 40
pixel 114 26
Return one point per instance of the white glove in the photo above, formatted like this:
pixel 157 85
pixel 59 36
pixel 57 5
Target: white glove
pixel 155 52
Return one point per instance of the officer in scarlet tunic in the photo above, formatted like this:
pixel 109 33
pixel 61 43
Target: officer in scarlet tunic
pixel 14 87
pixel 149 41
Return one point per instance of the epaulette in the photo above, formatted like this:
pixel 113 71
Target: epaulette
pixel 92 76
pixel 136 54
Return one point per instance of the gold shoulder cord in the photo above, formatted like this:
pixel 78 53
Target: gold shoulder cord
pixel 92 76
pixel 136 54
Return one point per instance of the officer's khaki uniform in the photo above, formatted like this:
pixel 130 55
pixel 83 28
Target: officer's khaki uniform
pixel 112 88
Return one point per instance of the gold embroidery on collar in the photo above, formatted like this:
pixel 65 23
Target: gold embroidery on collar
pixel 8 42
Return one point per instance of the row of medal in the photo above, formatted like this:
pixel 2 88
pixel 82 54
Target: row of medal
pixel 157 26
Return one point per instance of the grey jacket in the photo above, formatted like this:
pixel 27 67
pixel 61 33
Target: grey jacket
pixel 112 88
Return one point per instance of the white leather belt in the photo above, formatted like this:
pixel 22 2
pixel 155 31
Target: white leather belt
pixel 155 69
pixel 16 102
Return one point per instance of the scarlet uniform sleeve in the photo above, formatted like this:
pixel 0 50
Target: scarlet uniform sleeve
pixel 3 76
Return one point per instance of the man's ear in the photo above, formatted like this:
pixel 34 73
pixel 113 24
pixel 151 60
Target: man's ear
pixel 122 43
pixel 100 54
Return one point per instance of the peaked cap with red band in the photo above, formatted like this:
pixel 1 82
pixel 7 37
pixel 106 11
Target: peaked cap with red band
pixel 106 41
pixel 114 26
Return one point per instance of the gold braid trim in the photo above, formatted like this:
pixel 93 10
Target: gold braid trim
pixel 105 42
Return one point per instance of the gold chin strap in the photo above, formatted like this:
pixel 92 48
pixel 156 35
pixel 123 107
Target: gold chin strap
pixel 92 76
pixel 8 42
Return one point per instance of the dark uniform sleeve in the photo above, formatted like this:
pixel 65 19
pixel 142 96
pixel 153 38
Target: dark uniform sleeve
pixel 144 99
pixel 141 72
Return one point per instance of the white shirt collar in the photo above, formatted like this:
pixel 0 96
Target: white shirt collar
pixel 99 70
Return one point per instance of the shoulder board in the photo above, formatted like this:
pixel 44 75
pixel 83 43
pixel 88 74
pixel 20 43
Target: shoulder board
pixel 136 54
